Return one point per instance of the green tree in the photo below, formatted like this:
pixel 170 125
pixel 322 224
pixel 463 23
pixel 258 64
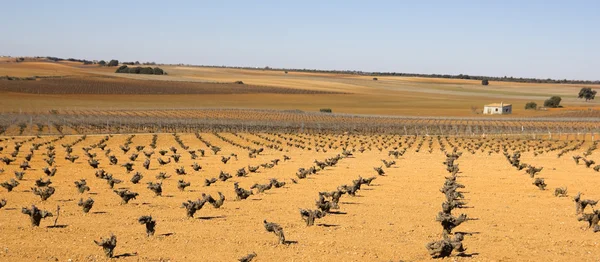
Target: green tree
pixel 135 70
pixel 553 102
pixel 158 71
pixel 122 69
pixel 146 70
pixel 102 63
pixel 113 62
pixel 587 93
pixel 531 105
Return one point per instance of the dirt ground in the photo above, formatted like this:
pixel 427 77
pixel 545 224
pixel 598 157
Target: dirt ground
pixel 390 220
pixel 389 95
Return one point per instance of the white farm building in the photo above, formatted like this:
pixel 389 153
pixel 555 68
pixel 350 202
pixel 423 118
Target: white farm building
pixel 497 109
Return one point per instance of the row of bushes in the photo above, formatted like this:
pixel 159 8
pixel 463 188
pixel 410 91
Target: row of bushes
pixel 17 78
pixel 58 59
pixel 112 62
pixel 552 102
pixel 140 70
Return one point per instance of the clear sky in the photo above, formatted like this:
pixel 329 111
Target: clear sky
pixel 526 38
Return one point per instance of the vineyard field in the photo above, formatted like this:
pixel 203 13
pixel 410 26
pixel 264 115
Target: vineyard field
pixel 389 220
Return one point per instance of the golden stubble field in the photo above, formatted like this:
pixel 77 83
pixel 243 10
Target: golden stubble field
pixel 354 94
pixel 390 220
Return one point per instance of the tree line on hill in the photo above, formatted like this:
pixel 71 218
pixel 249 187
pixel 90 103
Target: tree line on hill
pixel 140 70
pixel 122 69
pixel 485 79
pixel 448 76
pixel 58 59
pixel 112 62
pixel 115 62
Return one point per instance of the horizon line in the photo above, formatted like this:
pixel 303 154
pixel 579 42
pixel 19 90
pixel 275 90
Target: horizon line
pixel 349 71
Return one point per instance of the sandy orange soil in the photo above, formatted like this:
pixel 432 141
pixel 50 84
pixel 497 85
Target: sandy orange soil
pixel 390 220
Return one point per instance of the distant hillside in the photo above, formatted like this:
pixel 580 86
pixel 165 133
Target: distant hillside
pixel 353 72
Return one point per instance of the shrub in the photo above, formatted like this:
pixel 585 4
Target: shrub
pixel 102 63
pixel 553 102
pixel 122 69
pixel 239 82
pixel 587 93
pixel 158 71
pixel 18 78
pixel 146 70
pixel 375 79
pixel 531 105
pixel 135 70
pixel 325 110
pixel 113 62
pixel 485 82
pixel 140 70
pixel 55 59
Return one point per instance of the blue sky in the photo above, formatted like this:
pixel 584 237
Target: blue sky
pixel 544 39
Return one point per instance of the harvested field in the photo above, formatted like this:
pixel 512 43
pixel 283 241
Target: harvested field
pixel 121 86
pixel 389 220
pixel 93 87
pixel 41 68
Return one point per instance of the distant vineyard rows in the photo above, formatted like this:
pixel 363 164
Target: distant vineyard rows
pixel 140 121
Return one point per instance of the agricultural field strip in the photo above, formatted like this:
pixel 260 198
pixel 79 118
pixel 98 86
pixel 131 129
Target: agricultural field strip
pixel 31 124
pixel 232 112
pixel 121 86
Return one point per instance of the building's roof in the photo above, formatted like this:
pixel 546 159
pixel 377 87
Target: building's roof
pixel 497 105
